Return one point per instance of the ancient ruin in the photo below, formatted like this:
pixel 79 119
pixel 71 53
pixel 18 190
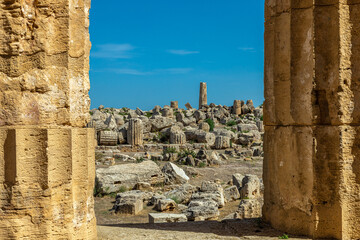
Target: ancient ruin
pixel 311 113
pixel 203 94
pixel 47 167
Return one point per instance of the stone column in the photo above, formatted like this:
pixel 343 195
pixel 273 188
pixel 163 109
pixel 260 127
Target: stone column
pixel 312 118
pixel 237 107
pixel 174 104
pixel 135 133
pixel 203 94
pixel 47 159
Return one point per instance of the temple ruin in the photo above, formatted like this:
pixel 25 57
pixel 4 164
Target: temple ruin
pixel 47 167
pixel 312 119
pixel 311 164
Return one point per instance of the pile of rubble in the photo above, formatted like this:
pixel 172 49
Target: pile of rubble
pixel 217 126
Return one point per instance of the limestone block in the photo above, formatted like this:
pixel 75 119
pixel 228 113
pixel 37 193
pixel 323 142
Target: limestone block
pixel 177 137
pixel 135 132
pixel 321 198
pixel 111 179
pixel 46 183
pixel 231 193
pixel 250 187
pixel 311 66
pixel 174 104
pixel 222 142
pixel 203 94
pixel 166 218
pixel 129 205
pixel 108 138
pixel 165 205
pixel 237 107
pixel 44 63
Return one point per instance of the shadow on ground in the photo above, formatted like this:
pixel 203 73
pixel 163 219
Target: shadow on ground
pixel 230 228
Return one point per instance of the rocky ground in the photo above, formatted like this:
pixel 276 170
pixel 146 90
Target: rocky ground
pixel 193 170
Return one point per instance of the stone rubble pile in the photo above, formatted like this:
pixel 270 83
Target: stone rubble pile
pixel 217 126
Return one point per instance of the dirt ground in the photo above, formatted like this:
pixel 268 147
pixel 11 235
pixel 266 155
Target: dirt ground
pixel 123 227
pixel 209 230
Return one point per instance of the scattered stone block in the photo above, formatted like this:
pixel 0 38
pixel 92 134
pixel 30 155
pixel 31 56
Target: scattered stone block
pixel 166 218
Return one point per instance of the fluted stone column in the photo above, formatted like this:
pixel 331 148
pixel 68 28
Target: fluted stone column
pixel 312 118
pixel 203 94
pixel 47 159
pixel 135 132
pixel 237 107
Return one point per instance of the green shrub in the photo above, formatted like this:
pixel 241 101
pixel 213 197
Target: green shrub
pixel 262 118
pixel 202 165
pixel 140 160
pixel 187 152
pixel 170 150
pixel 231 123
pixel 122 189
pixel 91 113
pixel 148 114
pixel 176 199
pixel 211 124
pixel 285 236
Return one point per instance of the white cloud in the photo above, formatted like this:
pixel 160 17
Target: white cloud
pixel 174 70
pixel 182 52
pixel 247 49
pixel 113 51
pixel 129 71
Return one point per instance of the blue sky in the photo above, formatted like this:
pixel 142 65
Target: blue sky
pixel 146 53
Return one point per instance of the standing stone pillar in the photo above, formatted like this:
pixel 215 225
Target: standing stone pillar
pixel 312 118
pixel 135 132
pixel 47 159
pixel 237 107
pixel 203 94
pixel 174 104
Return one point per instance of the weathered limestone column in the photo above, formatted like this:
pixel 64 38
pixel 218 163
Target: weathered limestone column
pixel 135 132
pixel 312 117
pixel 237 107
pixel 174 104
pixel 47 166
pixel 203 94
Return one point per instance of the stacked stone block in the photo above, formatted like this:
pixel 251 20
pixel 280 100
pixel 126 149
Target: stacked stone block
pixel 47 166
pixel 312 118
pixel 135 132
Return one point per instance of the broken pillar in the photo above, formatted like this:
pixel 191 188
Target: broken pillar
pixel 237 107
pixel 174 104
pixel 312 118
pixel 135 132
pixel 203 94
pixel 47 158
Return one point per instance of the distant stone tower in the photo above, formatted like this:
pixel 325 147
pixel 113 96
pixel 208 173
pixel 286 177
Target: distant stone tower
pixel 47 157
pixel 203 94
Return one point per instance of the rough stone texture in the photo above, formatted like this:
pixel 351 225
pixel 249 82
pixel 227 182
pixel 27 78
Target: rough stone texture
pixel 203 94
pixel 46 183
pixel 166 218
pixel 222 142
pixel 44 63
pixel 174 174
pixel 128 175
pixel 135 132
pixel 312 116
pixel 46 156
pixel 165 205
pixel 174 104
pixel 129 203
pixel 237 107
pixel 108 138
